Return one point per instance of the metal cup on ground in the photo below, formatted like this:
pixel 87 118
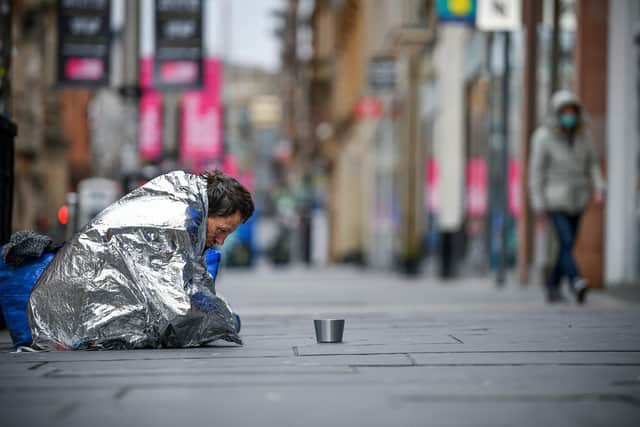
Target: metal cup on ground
pixel 329 330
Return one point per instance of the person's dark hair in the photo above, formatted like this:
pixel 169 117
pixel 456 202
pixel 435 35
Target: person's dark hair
pixel 227 196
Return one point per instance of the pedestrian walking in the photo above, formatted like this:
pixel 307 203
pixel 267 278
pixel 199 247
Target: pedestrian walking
pixel 564 174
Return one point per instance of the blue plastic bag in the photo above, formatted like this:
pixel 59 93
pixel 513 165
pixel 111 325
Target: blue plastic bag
pixel 212 259
pixel 15 287
pixel 204 300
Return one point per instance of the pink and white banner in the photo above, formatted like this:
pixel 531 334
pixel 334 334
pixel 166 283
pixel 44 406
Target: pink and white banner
pixel 201 121
pixel 179 72
pixel 213 78
pixel 151 126
pixel 200 129
pixel 146 72
pixel 150 114
pixel 431 175
pixel 514 187
pixel 84 30
pixel 178 42
pixel 89 69
pixel 201 124
pixel 477 194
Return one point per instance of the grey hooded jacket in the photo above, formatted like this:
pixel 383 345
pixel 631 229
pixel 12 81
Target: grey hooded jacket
pixel 562 175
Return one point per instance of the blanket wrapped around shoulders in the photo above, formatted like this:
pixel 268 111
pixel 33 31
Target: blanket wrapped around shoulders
pixel 135 276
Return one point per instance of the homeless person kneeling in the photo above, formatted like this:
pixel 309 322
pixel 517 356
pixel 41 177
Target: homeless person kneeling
pixel 136 275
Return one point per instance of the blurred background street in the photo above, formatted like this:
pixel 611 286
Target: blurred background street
pixel 348 290
pixel 387 146
pixel 393 135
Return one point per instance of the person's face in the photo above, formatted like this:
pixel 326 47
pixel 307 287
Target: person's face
pixel 219 227
pixel 568 116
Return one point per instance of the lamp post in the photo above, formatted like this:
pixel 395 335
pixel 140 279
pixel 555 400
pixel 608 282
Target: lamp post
pixel 411 43
pixel 504 160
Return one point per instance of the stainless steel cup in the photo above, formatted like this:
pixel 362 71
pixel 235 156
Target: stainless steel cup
pixel 329 330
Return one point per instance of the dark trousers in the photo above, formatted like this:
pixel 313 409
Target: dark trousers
pixel 566 227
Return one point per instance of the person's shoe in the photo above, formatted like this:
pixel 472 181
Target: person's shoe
pixel 555 296
pixel 238 323
pixel 580 289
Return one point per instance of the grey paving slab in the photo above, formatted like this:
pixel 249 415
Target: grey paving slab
pixel 364 349
pixel 192 353
pixel 216 364
pixel 38 398
pixel 213 372
pixel 528 358
pixel 509 380
pixel 47 407
pixel 373 406
pixel 559 346
pixel 415 353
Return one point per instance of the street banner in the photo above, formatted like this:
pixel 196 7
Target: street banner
pixel 499 15
pixel 514 187
pixel 477 192
pixel 456 11
pixel 200 130
pixel 201 121
pixel 151 126
pixel 431 186
pixel 178 44
pixel 84 42
pixel 146 72
pixel 150 134
pixel 369 107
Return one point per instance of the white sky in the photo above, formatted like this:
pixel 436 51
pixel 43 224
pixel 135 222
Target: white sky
pixel 252 40
pixel 241 31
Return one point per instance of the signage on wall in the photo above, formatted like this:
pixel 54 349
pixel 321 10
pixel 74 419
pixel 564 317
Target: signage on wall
pixel 499 15
pixel 456 11
pixel 178 44
pixel 381 73
pixel 84 42
pixel 369 107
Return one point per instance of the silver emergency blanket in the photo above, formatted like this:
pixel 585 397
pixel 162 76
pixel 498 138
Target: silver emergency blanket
pixel 135 276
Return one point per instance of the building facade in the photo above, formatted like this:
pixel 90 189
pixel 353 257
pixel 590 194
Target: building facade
pixel 622 243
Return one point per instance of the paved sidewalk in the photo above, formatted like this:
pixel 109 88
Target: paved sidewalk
pixel 416 352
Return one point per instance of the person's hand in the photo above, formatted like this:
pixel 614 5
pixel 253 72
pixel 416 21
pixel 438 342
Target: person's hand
pixel 541 221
